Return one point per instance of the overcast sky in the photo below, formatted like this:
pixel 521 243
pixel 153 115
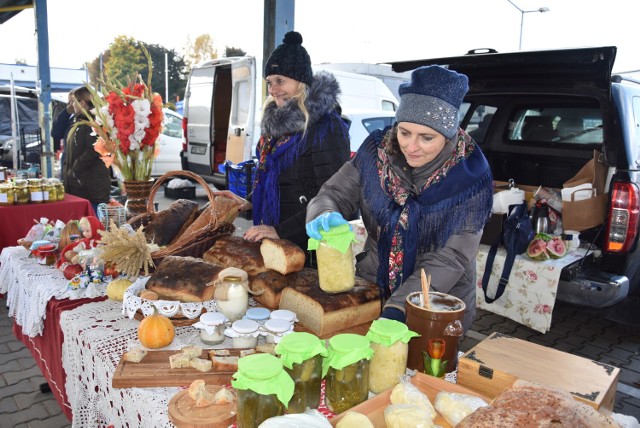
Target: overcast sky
pixel 333 30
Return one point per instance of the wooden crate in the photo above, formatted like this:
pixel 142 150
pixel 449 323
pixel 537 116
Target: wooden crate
pixel 499 360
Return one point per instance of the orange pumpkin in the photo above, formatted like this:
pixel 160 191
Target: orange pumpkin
pixel 156 331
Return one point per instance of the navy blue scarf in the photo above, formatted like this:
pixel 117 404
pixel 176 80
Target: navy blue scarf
pixel 279 154
pixel 458 201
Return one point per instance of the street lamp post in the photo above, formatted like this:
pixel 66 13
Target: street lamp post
pixel 522 12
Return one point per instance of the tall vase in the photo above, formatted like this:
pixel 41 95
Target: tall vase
pixel 137 196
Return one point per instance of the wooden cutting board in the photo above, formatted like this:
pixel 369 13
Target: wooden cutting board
pixel 184 414
pixel 154 370
pixel 374 408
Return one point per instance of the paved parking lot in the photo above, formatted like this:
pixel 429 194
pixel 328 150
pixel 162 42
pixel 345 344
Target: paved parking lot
pixel 579 331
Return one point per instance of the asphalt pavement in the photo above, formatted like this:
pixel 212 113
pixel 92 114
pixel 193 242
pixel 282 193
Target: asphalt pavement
pixel 578 331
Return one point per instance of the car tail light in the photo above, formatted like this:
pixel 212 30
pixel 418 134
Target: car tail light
pixel 623 218
pixel 185 139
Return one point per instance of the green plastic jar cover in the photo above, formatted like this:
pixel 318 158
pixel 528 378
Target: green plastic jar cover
pixel 346 349
pixel 264 374
pixel 387 332
pixel 298 347
pixel 338 237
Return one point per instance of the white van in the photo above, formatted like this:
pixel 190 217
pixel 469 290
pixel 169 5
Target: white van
pixel 219 116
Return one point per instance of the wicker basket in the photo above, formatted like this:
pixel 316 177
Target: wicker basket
pixel 193 242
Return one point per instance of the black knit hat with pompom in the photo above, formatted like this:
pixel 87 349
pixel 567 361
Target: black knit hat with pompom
pixel 290 59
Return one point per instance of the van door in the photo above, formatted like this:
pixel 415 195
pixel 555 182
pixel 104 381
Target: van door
pixel 243 108
pixel 198 110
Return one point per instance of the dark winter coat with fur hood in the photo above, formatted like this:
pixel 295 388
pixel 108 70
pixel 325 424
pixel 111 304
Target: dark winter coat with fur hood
pixel 317 154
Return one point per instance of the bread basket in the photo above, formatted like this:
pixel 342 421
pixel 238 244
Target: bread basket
pixel 214 221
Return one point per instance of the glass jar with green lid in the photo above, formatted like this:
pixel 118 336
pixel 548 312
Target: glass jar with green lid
pixel 346 371
pixel 21 191
pixel 336 266
pixel 49 191
pixel 6 194
pixel 263 389
pixel 301 354
pixel 390 344
pixel 35 190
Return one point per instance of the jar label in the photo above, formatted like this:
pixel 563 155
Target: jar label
pixel 45 195
pixel 3 198
pixel 36 196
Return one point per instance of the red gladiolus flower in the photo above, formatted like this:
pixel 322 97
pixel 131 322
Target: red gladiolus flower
pixel 436 348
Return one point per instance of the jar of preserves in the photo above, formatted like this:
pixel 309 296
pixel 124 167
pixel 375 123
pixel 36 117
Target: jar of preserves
pixel 284 314
pixel 6 194
pixel 3 173
pixel 21 191
pixel 59 188
pixel 49 191
pixel 211 327
pixel 336 270
pixel 232 293
pixel 263 389
pixel 302 355
pixel 346 371
pixel 390 344
pixel 259 315
pixel 275 329
pixel 35 190
pixel 244 333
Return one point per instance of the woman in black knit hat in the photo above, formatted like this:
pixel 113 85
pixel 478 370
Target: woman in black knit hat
pixel 303 142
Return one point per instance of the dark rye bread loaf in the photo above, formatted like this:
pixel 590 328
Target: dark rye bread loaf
pixel 185 279
pixel 168 224
pixel 268 285
pixel 324 313
pixel 234 251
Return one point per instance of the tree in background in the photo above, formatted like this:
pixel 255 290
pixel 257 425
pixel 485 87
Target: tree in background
pixel 231 51
pixel 201 49
pixel 124 58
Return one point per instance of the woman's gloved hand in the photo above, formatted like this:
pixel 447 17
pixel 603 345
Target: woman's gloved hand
pixel 324 221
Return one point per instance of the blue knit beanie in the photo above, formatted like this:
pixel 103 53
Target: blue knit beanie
pixel 432 98
pixel 290 59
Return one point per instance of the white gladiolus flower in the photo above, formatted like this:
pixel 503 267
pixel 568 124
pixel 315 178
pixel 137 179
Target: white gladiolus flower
pixel 142 107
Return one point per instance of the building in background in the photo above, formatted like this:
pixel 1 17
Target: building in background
pixel 62 79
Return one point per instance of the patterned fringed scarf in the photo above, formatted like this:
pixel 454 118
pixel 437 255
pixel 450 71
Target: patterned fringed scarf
pixel 277 155
pixel 456 198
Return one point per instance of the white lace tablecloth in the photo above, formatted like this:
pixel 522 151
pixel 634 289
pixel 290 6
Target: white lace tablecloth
pixel 530 296
pixel 96 336
pixel 29 286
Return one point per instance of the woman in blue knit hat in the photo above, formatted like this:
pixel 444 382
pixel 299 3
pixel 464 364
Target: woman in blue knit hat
pixel 424 190
pixel 303 142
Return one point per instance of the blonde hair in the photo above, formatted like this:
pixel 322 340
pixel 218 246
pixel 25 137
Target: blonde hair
pixel 300 96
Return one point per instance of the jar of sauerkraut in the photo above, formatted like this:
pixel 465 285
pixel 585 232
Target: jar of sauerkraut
pixel 390 344
pixel 336 270
pixel 346 371
pixel 263 389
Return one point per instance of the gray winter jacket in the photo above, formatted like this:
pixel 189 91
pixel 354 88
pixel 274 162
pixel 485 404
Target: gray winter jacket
pixel 452 268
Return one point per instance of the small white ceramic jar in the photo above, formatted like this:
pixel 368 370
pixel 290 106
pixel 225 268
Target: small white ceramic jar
pixel 259 315
pixel 212 327
pixel 284 314
pixel 274 329
pixel 244 333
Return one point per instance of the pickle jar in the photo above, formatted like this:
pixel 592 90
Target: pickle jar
pixel 59 188
pixel 232 293
pixel 263 389
pixel 302 355
pixel 346 371
pixel 390 344
pixel 336 267
pixel 35 190
pixel 21 191
pixel 6 194
pixel 49 191
pixel 3 173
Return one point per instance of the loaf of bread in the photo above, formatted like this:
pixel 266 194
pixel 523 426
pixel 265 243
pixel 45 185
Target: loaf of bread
pixel 528 404
pixel 282 256
pixel 234 251
pixel 185 279
pixel 324 313
pixel 268 286
pixel 170 223
pixel 225 210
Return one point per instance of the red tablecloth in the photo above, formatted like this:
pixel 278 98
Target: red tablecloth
pixel 16 220
pixel 47 349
